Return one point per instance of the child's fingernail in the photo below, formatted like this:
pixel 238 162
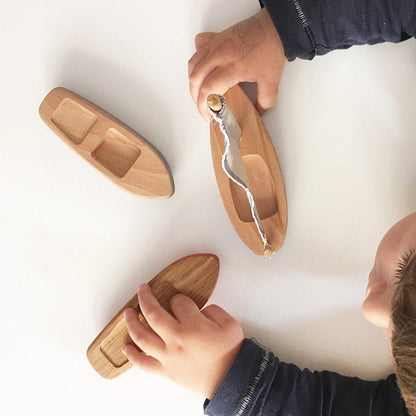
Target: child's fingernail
pixel 143 286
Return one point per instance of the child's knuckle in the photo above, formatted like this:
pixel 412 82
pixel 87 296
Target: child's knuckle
pixel 178 299
pixel 176 347
pixel 153 314
pixel 206 88
pixel 232 324
pixel 193 77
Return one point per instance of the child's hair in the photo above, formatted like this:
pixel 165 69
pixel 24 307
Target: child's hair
pixel 404 331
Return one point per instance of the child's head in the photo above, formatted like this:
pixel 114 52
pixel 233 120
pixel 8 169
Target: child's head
pixel 391 301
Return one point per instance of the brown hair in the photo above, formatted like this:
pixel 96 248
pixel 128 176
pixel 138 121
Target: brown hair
pixel 404 332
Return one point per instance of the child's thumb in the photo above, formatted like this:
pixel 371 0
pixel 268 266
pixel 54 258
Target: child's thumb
pixel 266 96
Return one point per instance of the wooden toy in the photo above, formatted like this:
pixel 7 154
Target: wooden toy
pixel 194 276
pixel 115 150
pixel 247 169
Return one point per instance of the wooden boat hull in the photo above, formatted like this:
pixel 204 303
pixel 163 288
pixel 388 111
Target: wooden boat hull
pixel 264 176
pixel 116 151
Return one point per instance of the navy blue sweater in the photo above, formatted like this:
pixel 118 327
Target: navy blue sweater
pixel 315 27
pixel 258 384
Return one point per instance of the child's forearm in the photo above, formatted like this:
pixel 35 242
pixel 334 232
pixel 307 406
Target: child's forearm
pixel 258 384
pixel 309 27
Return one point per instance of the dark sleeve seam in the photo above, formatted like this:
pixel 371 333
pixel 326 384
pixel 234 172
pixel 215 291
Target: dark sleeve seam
pixel 305 24
pixel 249 395
pixel 348 43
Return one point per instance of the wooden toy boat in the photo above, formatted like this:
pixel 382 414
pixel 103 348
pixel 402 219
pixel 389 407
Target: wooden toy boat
pixel 115 150
pixel 194 276
pixel 262 170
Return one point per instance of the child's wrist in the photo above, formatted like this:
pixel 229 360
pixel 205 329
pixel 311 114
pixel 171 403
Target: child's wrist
pixel 271 30
pixel 222 371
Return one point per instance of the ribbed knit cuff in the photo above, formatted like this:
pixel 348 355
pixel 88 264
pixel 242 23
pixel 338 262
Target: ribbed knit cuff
pixel 247 383
pixel 293 27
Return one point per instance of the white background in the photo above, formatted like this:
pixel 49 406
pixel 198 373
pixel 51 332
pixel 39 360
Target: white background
pixel 74 247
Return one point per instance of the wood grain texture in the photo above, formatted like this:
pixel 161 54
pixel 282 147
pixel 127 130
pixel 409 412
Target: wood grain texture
pixel 119 153
pixel 194 276
pixel 263 172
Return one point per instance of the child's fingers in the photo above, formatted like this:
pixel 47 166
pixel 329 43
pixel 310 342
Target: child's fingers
pixel 266 95
pixel 201 71
pixel 196 58
pixel 147 341
pixel 201 39
pixel 218 315
pixel 158 318
pixel 217 82
pixel 142 360
pixel 184 308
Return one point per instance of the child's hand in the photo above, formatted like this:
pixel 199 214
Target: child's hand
pixel 195 348
pixel 248 51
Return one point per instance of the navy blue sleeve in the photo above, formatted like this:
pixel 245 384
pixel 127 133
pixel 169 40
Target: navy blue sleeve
pixel 315 27
pixel 258 384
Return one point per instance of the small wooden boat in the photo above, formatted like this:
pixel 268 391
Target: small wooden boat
pixel 262 169
pixel 194 276
pixel 122 155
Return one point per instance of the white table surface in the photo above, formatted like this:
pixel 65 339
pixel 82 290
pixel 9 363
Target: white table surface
pixel 74 247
